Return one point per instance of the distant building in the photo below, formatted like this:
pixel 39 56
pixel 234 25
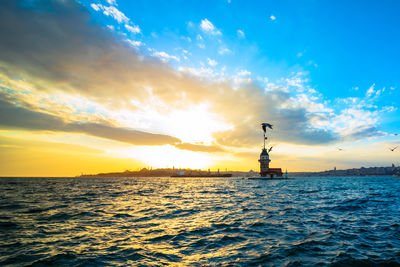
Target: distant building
pixel 180 172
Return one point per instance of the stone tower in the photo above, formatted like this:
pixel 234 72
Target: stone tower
pixel 264 162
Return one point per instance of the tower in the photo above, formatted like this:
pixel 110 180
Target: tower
pixel 264 162
pixel 265 170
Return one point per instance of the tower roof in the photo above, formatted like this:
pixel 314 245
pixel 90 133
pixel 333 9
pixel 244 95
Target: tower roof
pixel 264 152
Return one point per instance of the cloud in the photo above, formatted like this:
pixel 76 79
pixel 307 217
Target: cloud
pixel 223 51
pixel 370 90
pixel 164 56
pixel 244 73
pixel 14 117
pixel 240 34
pixel 202 72
pixel 200 148
pixel 211 62
pixel 49 49
pixel 96 7
pixel 115 13
pixel 366 131
pixel 134 44
pixel 272 17
pixel 133 29
pixel 112 2
pixel 207 27
pixel 111 11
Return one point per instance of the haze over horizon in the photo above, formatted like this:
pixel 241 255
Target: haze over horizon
pixel 103 86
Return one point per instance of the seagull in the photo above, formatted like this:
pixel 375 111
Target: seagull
pixel 270 149
pixel 264 126
pixel 340 149
pixel 392 149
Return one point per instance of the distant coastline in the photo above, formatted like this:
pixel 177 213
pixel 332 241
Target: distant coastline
pixel 163 172
pixel 167 172
pixel 370 171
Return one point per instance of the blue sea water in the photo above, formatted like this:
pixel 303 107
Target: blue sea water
pixel 353 221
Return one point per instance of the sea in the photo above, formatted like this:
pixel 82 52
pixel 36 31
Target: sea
pixel 319 221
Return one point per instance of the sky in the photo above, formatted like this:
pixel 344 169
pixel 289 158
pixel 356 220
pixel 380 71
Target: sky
pixel 95 86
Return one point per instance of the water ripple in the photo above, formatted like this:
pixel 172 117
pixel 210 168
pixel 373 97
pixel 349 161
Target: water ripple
pixel 351 221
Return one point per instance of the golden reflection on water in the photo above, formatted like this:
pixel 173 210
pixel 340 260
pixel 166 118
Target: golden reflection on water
pixel 198 221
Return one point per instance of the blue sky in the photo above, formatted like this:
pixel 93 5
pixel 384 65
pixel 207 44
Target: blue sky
pixel 194 79
pixel 343 47
pixel 356 42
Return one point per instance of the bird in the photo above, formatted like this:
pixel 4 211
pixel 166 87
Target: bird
pixel 270 149
pixel 264 126
pixel 340 149
pixel 392 149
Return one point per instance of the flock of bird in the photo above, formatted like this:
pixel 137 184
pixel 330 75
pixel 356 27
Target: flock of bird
pixel 264 126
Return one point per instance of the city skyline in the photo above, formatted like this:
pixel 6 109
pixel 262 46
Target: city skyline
pixel 104 86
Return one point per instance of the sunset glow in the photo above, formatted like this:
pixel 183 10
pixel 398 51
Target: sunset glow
pixel 96 86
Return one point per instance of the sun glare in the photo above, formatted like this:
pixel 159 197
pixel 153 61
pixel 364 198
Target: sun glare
pixel 168 156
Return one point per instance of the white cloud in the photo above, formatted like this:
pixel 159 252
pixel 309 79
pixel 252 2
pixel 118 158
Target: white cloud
pixel 371 90
pixel 133 29
pixel 112 2
pixel 115 13
pixel 240 34
pixel 272 17
pixel 95 6
pixel 200 41
pixel 111 11
pixel 309 102
pixel 223 51
pixel 211 62
pixel 164 56
pixel 296 81
pixel 243 73
pixel 207 27
pixel 202 72
pixel 135 44
pixel 389 109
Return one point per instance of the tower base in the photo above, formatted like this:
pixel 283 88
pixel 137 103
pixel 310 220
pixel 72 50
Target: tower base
pixel 272 173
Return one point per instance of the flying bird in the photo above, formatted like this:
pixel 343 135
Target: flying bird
pixel 264 126
pixel 392 149
pixel 270 149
